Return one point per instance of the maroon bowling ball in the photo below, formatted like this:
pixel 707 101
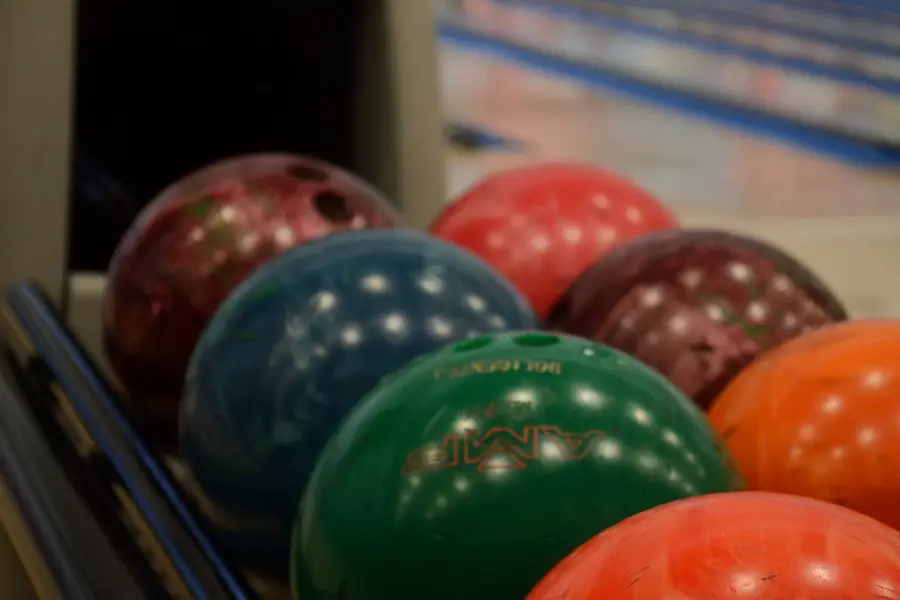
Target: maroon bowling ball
pixel 697 305
pixel 200 238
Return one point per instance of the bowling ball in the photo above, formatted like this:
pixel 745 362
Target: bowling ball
pixel 196 241
pixel 475 470
pixel 297 345
pixel 820 417
pixel 738 545
pixel 541 225
pixel 697 305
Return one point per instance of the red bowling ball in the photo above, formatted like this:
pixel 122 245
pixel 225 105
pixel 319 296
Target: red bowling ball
pixel 200 238
pixel 541 225
pixel 743 545
pixel 696 305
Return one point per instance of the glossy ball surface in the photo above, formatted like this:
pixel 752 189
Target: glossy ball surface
pixel 299 343
pixel 820 417
pixel 746 545
pixel 196 241
pixel 541 225
pixel 697 305
pixel 473 471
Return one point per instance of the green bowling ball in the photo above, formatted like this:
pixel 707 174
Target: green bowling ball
pixel 473 471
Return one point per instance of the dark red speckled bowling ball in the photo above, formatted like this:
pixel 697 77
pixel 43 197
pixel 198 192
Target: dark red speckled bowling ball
pixel 697 305
pixel 200 238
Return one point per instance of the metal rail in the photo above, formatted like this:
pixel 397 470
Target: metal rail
pixel 62 546
pixel 169 533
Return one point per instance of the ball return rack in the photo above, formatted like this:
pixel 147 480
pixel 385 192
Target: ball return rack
pixel 93 510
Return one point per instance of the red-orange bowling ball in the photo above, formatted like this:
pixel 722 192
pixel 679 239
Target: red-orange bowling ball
pixel 541 225
pixel 742 545
pixel 197 240
pixel 820 417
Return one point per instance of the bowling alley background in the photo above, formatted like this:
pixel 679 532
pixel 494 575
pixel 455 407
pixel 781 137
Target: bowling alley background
pixel 525 299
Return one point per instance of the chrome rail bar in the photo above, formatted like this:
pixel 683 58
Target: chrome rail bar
pixel 60 543
pixel 185 556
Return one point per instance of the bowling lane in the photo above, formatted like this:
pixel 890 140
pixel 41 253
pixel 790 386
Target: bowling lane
pixel 839 220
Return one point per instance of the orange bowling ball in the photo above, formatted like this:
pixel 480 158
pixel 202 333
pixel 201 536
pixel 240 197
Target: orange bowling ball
pixel 820 416
pixel 734 546
pixel 541 225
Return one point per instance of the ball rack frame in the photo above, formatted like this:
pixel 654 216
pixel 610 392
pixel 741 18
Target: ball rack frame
pixel 92 510
pixel 398 136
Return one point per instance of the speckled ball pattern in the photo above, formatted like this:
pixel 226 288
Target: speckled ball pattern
pixel 541 225
pixel 297 345
pixel 697 305
pixel 201 237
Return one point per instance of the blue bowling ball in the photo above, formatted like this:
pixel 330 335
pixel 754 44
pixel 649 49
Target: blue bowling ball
pixel 298 344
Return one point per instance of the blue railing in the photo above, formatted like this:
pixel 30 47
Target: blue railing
pixel 74 552
pixel 205 574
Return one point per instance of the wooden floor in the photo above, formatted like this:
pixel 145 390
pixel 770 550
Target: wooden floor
pixel 844 223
